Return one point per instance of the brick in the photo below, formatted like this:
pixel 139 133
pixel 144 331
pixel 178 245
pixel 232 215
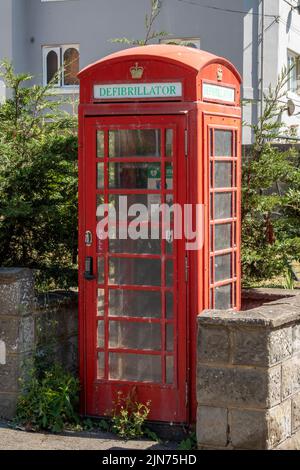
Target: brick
pixel 280 344
pixel 213 345
pixel 250 347
pixel 248 429
pixel 296 412
pixel 16 291
pixel 296 375
pixel 8 403
pixel 274 386
pixel 279 423
pixel 287 378
pixel 235 386
pixel 296 338
pixel 212 426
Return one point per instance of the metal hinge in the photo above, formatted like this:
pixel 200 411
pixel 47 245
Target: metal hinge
pixel 186 262
pixel 186 142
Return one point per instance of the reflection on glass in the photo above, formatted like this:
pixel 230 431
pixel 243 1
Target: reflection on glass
pixel 133 335
pixel 223 174
pixel 100 264
pixel 169 305
pixel 169 176
pixel 135 367
pixel 223 236
pixel 141 272
pixel 100 335
pixel 100 144
pixel 101 365
pixel 169 370
pixel 223 297
pixel 169 142
pixel 223 264
pixel 132 303
pixel 135 176
pixel 223 143
pixel 169 337
pixel 169 273
pixel 135 143
pixel 100 175
pixel 100 302
pixel 223 206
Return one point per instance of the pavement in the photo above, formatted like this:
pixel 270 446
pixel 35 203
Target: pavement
pixel 14 439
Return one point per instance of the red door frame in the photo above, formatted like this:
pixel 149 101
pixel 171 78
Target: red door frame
pixel 159 395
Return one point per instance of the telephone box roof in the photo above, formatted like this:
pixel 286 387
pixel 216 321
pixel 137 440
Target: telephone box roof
pixel 187 56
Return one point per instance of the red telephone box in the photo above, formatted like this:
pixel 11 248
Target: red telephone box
pixel 158 124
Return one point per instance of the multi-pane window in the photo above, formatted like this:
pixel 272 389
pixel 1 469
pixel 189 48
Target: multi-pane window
pixel 61 65
pixel 223 219
pixel 294 68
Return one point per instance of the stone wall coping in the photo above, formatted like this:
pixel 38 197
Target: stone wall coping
pixel 10 275
pixel 277 307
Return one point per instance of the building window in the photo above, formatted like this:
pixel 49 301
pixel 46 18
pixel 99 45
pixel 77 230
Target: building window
pixel 188 42
pixel 294 67
pixel 61 64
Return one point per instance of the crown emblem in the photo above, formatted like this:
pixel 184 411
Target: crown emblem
pixel 137 71
pixel 220 74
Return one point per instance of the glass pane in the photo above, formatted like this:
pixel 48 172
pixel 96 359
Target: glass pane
pixel 100 264
pixel 71 66
pixel 223 143
pixel 135 367
pixel 169 273
pixel 223 297
pixel 169 305
pixel 223 174
pixel 100 144
pixel 100 335
pixel 223 236
pixel 133 335
pixel 169 338
pixel 135 246
pixel 131 303
pixel 169 369
pixel 169 142
pixel 169 176
pixel 223 267
pixel 101 365
pixel 211 298
pixel 135 143
pixel 223 206
pixel 135 176
pixel 141 272
pixel 100 302
pixel 52 65
pixel 100 175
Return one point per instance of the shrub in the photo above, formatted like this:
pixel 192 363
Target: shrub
pixel 48 400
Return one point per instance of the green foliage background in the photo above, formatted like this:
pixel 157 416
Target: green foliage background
pixel 38 182
pixel 271 196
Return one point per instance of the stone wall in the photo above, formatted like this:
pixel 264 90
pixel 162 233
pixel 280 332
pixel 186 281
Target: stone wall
pixel 28 323
pixel 248 378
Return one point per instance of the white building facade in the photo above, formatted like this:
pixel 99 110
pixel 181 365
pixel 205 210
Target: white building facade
pixel 39 35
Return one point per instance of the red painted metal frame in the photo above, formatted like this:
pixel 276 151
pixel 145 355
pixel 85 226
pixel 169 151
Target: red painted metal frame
pixel 192 68
pixel 100 393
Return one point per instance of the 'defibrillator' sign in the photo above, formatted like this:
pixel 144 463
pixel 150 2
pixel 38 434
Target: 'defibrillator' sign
pixel 142 90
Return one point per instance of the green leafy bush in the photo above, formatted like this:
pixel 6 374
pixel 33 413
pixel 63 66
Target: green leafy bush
pixel 271 196
pixel 48 400
pixel 38 182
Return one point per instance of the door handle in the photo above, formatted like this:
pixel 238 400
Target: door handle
pixel 88 272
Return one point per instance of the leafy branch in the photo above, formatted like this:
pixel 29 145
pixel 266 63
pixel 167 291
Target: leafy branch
pixel 150 34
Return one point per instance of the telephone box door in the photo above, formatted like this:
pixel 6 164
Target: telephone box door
pixel 134 286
